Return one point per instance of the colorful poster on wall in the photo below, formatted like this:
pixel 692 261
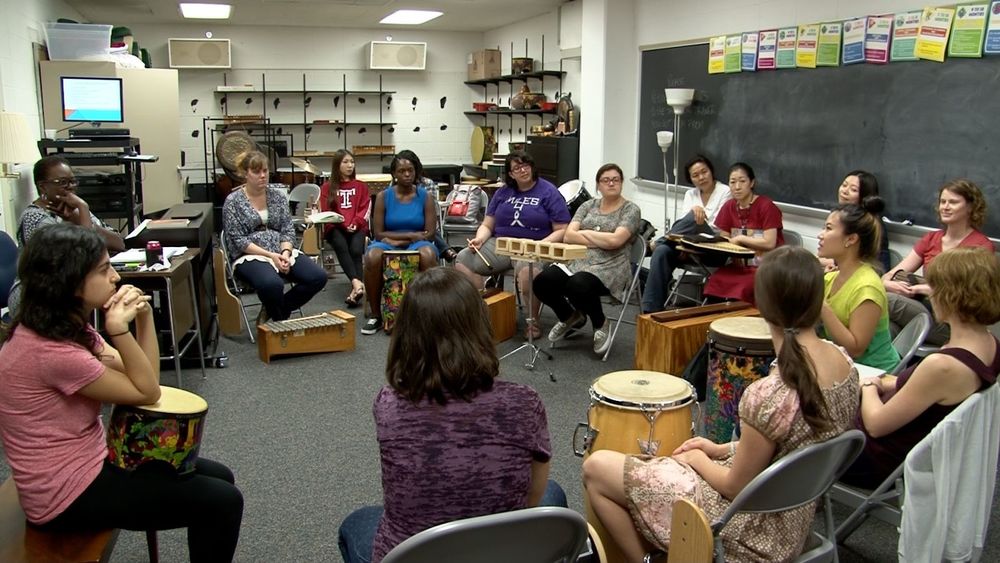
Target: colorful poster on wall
pixel 733 53
pixel 905 28
pixel 935 26
pixel 854 41
pixel 805 46
pixel 828 46
pixel 968 31
pixel 992 46
pixel 766 47
pixel 717 54
pixel 785 54
pixel 877 39
pixel 748 62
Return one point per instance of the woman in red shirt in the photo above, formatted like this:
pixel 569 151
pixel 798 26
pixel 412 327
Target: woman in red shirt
pixel 350 197
pixel 961 209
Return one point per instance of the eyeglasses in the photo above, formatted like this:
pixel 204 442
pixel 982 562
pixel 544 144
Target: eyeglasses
pixel 520 168
pixel 62 182
pixel 610 181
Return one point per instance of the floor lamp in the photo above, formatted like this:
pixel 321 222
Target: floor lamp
pixel 679 99
pixel 664 138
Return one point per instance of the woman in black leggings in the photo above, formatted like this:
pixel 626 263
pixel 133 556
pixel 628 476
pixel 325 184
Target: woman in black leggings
pixel 573 291
pixel 56 371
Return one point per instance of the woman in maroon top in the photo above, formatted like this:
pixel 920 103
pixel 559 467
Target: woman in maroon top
pixel 749 220
pixel 350 197
pixel 961 209
pixel 896 413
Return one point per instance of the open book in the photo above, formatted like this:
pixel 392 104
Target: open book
pixel 325 217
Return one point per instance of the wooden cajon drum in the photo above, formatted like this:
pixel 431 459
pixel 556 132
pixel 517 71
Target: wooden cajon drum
pixel 667 341
pixel 502 307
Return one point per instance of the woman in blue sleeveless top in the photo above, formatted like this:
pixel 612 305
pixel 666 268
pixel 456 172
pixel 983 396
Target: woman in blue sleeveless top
pixel 403 218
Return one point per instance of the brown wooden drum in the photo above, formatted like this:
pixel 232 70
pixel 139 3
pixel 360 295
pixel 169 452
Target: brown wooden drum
pixel 637 412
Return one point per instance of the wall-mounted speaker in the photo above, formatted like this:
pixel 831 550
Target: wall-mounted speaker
pixel 199 53
pixel 397 55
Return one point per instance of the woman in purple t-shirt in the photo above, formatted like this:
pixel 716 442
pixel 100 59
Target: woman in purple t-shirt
pixel 526 207
pixel 454 442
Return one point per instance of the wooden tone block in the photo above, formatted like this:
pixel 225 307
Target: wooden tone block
pixel 668 346
pixel 516 246
pixel 502 307
pixel 563 252
pixel 336 336
pixel 531 247
pixel 20 542
pixel 503 245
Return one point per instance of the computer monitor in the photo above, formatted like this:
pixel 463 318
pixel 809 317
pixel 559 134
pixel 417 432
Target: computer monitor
pixel 92 99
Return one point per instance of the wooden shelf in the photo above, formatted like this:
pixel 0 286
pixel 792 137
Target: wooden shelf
pixel 512 112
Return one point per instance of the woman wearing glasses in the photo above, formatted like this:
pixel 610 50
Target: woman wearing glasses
pixel 526 207
pixel 573 291
pixel 57 202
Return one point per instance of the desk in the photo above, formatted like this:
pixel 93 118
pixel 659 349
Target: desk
pixel 178 282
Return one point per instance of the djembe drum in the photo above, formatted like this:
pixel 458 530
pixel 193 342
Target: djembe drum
pixel 398 269
pixel 740 351
pixel 166 433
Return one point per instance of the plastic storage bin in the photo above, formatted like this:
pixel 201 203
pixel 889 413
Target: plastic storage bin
pixel 67 41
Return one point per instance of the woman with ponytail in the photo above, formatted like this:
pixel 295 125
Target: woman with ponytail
pixel 811 396
pixel 855 311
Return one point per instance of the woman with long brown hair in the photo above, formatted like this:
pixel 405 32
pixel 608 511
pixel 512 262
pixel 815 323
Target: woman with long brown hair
pixel 345 194
pixel 811 396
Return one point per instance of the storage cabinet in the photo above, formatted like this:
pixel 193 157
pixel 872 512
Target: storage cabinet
pixel 557 159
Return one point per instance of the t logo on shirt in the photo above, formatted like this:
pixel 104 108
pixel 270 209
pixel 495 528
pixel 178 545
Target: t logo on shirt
pixel 345 198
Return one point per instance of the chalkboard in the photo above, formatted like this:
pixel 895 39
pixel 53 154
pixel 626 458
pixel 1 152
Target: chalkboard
pixel 915 125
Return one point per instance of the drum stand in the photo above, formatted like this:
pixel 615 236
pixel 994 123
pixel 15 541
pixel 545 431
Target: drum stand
pixel 530 320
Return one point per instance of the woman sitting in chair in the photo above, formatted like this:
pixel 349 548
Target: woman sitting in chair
pixel 55 373
pixel 455 441
pixel 573 291
pixel 855 188
pixel 526 207
pixel 898 412
pixel 810 397
pixel 345 194
pixel 962 210
pixel 701 208
pixel 855 311
pixel 260 240
pixel 57 202
pixel 405 218
pixel 749 220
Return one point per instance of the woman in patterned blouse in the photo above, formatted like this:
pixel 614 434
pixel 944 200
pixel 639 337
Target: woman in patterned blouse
pixel 260 239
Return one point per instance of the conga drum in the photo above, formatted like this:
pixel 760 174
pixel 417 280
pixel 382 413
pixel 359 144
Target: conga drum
pixel 398 269
pixel 740 352
pixel 634 412
pixel 166 433
pixel 575 194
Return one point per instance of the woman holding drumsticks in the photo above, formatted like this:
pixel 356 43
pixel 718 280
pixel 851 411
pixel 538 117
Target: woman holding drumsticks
pixel 56 371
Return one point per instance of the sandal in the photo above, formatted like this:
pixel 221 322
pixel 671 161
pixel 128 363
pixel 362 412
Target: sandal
pixel 354 299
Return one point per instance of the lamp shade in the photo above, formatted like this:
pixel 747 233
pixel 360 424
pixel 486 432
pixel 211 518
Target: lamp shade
pixel 664 139
pixel 17 144
pixel 679 98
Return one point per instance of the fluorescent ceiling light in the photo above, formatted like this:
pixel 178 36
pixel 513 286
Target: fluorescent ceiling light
pixel 206 11
pixel 411 17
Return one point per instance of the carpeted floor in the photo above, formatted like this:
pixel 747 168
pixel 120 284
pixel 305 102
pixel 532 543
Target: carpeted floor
pixel 299 435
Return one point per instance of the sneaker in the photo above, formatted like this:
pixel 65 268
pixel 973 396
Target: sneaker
pixel 602 339
pixel 561 329
pixel 371 326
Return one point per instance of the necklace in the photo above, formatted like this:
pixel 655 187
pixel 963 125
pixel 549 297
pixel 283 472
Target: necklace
pixel 744 213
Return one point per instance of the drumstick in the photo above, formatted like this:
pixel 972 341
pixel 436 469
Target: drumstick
pixel 480 254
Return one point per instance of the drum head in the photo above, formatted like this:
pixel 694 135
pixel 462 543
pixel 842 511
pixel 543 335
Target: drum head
pixel 482 143
pixel 633 388
pixel 753 329
pixel 570 189
pixel 177 401
pixel 230 146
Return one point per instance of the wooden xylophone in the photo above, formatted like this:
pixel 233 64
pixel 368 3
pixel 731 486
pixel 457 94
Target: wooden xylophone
pixel 723 247
pixel 536 250
pixel 325 332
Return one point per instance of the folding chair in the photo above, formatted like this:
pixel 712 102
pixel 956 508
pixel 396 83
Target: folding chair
pixel 792 238
pixel 793 481
pixel 298 201
pixel 534 535
pixel 637 254
pixel 909 340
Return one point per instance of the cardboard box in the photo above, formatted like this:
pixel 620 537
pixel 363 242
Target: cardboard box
pixel 484 64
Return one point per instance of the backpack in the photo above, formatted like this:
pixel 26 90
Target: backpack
pixel 464 204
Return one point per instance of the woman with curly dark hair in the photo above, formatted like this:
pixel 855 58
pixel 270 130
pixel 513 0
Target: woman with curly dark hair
pixel 455 442
pixel 56 371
